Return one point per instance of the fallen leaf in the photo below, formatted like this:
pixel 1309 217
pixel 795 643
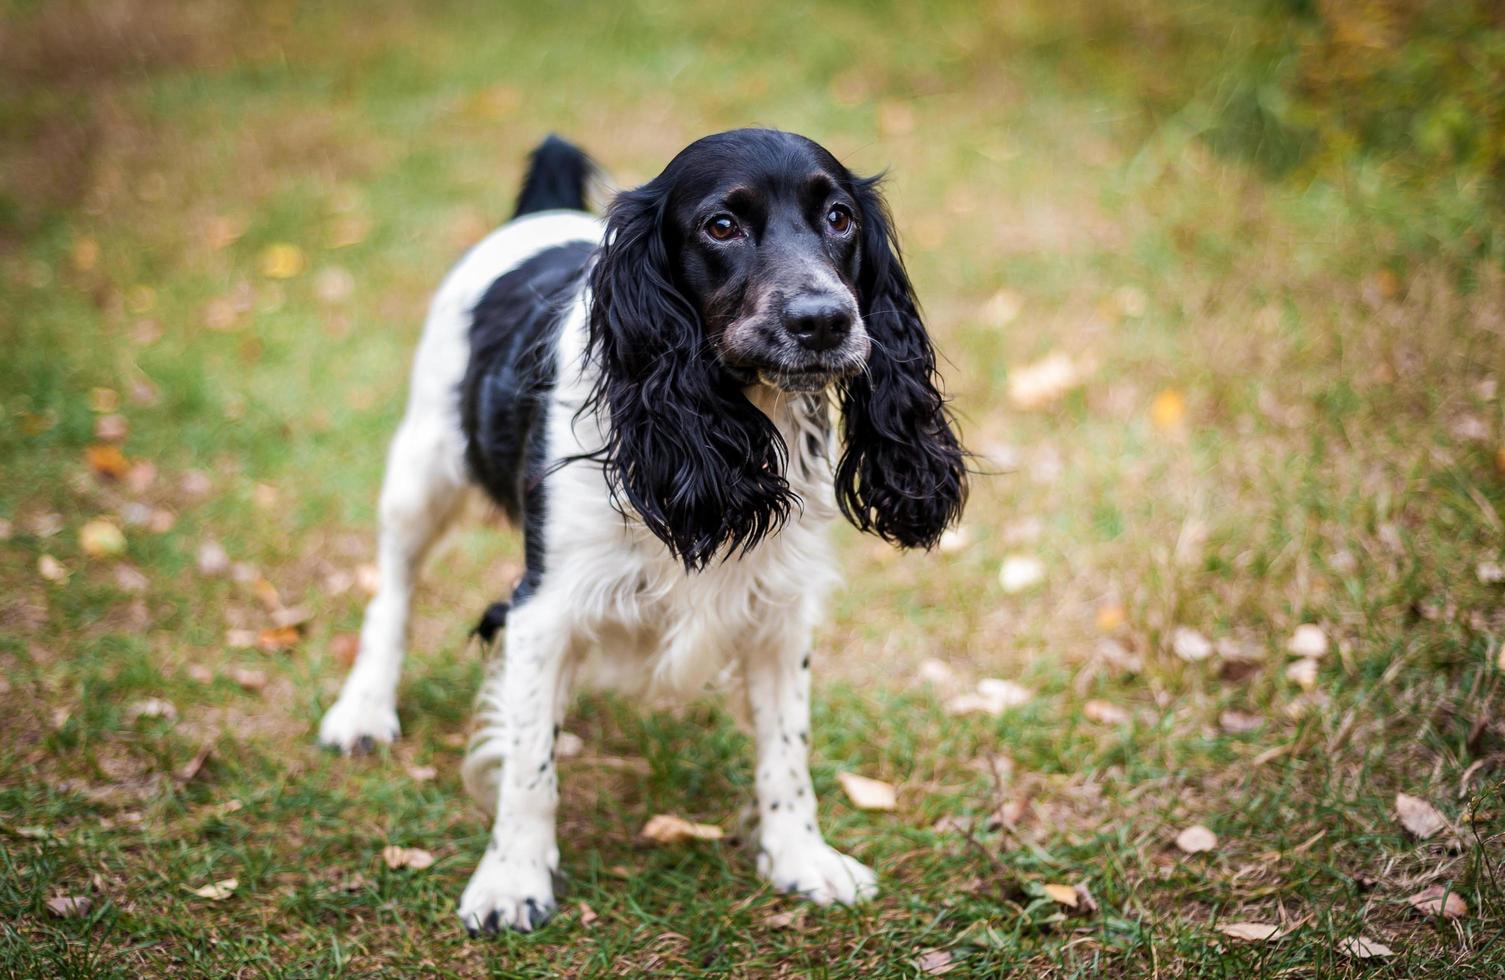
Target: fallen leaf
pixel 291 616
pixel 281 260
pixel 1196 839
pixel 141 477
pixel 151 708
pixel 1239 722
pixel 248 677
pixel 200 673
pixel 240 639
pixel 44 525
pixel 344 647
pixel 1038 384
pixel 352 883
pixel 422 774
pixel 1003 307
pixel 935 962
pixel 107 460
pixel 1190 645
pixel 218 891
pixel 7 529
pixel 1061 894
pixel 111 428
pixel 1116 655
pixel 1439 900
pixel 85 253
pixel 100 538
pixel 1418 816
pixel 69 906
pixel 1304 673
pixel 266 593
pixel 367 578
pixel 1168 410
pixel 1019 573
pixel 1308 641
pixel 785 920
pixel 212 559
pixel 1490 572
pixel 196 483
pixel 587 914
pixel 406 857
pixel 1254 932
pixel 868 794
pixel 130 578
pixel 188 770
pixel 278 638
pixel 102 400
pixel 1110 617
pixel 568 745
pixel 935 672
pixel 993 697
pixel 954 540
pixel 1104 712
pixel 1363 948
pixel 264 496
pixel 51 569
pixel 663 828
pixel 334 285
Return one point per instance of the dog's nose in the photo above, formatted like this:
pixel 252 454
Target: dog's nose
pixel 817 322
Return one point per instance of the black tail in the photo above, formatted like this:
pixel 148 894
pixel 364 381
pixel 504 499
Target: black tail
pixel 557 174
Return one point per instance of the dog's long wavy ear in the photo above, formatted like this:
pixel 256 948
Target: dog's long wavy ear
pixel 685 449
pixel 902 474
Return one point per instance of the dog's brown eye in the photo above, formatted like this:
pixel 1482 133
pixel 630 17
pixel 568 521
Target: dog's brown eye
pixel 723 228
pixel 839 219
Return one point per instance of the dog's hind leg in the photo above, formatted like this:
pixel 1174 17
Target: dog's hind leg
pixel 421 494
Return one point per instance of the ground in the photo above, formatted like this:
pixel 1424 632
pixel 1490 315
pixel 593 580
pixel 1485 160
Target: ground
pixel 218 231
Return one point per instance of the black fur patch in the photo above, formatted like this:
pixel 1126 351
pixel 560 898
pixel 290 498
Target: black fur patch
pixel 506 387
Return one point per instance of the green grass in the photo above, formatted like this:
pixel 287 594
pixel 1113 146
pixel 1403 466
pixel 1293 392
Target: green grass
pixel 1336 464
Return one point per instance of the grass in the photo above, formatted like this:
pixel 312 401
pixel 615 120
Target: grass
pixel 1293 418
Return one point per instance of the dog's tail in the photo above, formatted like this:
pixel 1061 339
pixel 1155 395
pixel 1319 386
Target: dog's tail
pixel 558 173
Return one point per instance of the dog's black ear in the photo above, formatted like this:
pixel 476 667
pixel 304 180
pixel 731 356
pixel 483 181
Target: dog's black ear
pixel 698 462
pixel 902 474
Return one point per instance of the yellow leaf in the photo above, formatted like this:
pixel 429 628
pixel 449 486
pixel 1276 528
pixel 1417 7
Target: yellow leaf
pixel 1062 895
pixel 107 460
pixel 1110 617
pixel 1168 410
pixel 218 891
pixel 101 539
pixel 868 794
pixel 51 569
pixel 281 261
pixel 664 828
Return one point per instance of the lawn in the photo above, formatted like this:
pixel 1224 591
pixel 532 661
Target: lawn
pixel 1214 412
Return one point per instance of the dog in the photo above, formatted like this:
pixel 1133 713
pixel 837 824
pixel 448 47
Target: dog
pixel 655 401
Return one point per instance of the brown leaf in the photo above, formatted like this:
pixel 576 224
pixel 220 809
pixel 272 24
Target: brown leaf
pixel 1253 932
pixel 152 708
pixel 1418 816
pixel 107 460
pixel 868 794
pixel 344 647
pixel 1239 722
pixel 1439 900
pixel 1363 948
pixel 51 569
pixel 278 639
pixel 588 915
pixel 422 774
pixel 1104 712
pixel 111 428
pixel 790 919
pixel 664 828
pixel 935 962
pixel 1062 895
pixel 69 906
pixel 248 677
pixel 187 771
pixel 406 857
pixel 292 616
pixel 218 891
pixel 1196 839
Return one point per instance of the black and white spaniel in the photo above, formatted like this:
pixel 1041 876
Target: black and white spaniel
pixel 649 399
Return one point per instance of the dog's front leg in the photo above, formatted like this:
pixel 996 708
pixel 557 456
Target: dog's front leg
pixel 792 854
pixel 513 888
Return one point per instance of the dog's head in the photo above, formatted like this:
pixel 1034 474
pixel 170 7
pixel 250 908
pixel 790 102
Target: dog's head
pixel 757 258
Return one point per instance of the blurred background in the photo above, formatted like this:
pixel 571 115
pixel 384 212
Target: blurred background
pixel 1219 291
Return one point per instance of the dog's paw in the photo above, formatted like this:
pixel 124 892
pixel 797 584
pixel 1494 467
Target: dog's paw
pixel 356 725
pixel 507 893
pixel 817 871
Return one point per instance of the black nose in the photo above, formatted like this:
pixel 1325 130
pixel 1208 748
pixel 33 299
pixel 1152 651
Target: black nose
pixel 817 322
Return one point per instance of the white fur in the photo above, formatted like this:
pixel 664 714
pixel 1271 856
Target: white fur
pixel 614 609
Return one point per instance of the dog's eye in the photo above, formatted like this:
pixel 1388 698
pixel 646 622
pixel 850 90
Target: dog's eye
pixel 723 228
pixel 839 220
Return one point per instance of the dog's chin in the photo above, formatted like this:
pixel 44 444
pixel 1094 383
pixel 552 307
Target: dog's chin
pixel 800 382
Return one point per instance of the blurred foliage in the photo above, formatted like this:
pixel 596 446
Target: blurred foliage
pixel 1413 90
